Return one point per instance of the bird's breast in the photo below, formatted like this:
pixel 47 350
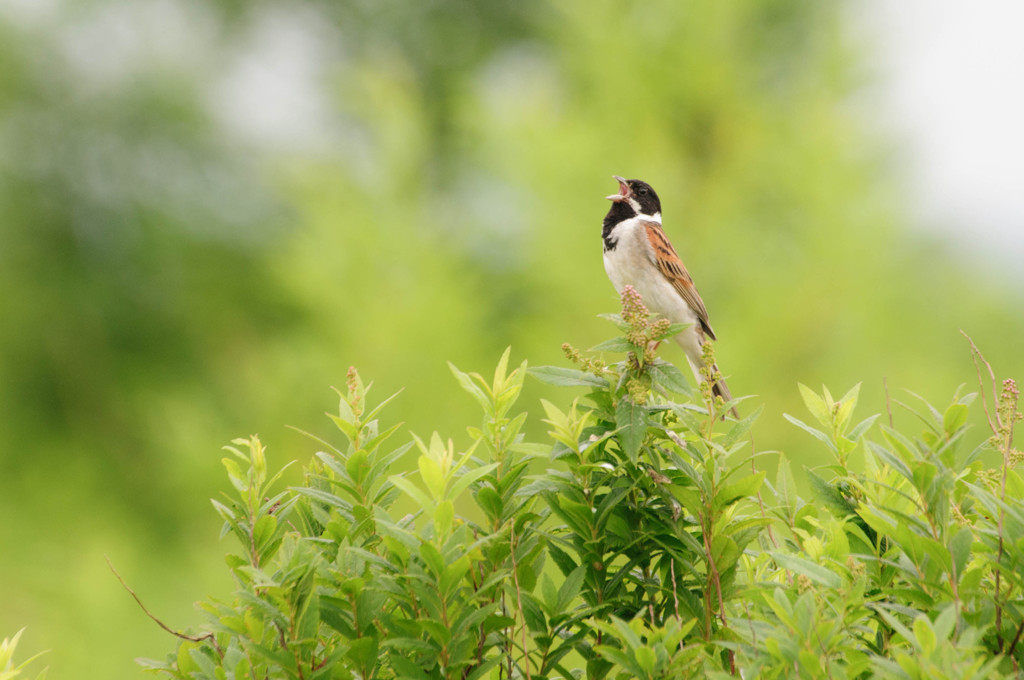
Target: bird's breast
pixel 631 263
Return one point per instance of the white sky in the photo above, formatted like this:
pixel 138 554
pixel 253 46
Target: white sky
pixel 951 87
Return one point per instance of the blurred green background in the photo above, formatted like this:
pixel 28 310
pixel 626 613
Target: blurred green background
pixel 209 210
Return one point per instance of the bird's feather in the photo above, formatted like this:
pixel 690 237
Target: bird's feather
pixel 665 258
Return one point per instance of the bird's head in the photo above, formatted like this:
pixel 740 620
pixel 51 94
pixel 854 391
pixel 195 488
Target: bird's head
pixel 635 197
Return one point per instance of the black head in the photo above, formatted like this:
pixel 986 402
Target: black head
pixel 635 197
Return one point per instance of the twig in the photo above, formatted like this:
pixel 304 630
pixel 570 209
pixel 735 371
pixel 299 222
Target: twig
pixel 675 593
pixel 1016 639
pixel 183 636
pixel 519 600
pixel 760 501
pixel 976 354
pixel 716 579
pixel 998 428
pixel 750 621
pixel 650 601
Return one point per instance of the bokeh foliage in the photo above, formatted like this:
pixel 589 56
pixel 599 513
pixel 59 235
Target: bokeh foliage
pixel 172 274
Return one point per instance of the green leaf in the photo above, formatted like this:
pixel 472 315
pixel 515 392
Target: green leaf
pixel 466 382
pixel 846 405
pixel 490 502
pixel 625 633
pixel 646 659
pixel 785 485
pixel 954 418
pixel 960 549
pixel 934 412
pixel 673 329
pixel 577 515
pixel 903 447
pixel 817 434
pixel 739 429
pixel 406 669
pixel 924 634
pixel 430 470
pixel 495 622
pixel 147 664
pixel 224 511
pixel 858 431
pixel 815 572
pixel 896 624
pixel 357 465
pixel 453 575
pixel 379 407
pixel 432 556
pixel 501 370
pixel 608 505
pixel 614 345
pixel 888 457
pixel 566 377
pixel 410 490
pixel 549 596
pixel 565 564
pixel 363 652
pixel 830 495
pixel 264 529
pixel 688 414
pixel 631 424
pixel 436 630
pixel 444 515
pixel 671 378
pixel 816 405
pixel 945 623
pixel 742 488
pixel 570 588
pixel 621 659
pixel 481 671
pixel 373 443
pixel 185 662
pixel 725 552
pixel 345 426
pixel 408 644
pixel 238 480
pixel 615 319
pixel 533 616
pixel 468 477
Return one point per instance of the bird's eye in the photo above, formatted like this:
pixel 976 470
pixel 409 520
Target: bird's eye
pixel 643 191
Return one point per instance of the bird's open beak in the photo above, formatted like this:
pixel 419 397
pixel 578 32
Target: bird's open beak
pixel 623 190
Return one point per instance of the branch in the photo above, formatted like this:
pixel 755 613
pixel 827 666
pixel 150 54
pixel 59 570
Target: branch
pixel 976 354
pixel 183 636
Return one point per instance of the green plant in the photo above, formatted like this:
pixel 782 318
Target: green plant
pixel 911 574
pixel 655 501
pixel 642 542
pixel 8 671
pixel 336 580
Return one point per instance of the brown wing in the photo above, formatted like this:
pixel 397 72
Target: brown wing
pixel 672 268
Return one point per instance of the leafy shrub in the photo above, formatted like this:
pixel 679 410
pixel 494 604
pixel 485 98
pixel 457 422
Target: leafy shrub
pixel 640 542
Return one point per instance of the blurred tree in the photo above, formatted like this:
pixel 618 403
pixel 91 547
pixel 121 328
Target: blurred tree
pixel 133 241
pixel 209 210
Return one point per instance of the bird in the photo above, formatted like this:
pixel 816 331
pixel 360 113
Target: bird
pixel 637 253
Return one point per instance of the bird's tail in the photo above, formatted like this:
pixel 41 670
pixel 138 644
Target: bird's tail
pixel 720 389
pixel 692 344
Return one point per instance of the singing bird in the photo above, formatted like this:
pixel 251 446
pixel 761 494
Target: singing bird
pixel 637 253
